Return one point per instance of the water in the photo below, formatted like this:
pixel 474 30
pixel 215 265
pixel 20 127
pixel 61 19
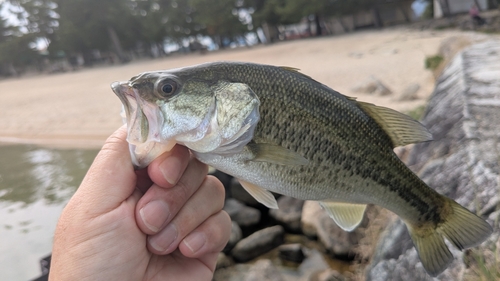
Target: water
pixel 35 185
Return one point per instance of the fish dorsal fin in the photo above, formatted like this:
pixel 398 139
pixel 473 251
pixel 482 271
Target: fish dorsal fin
pixel 276 154
pixel 348 216
pixel 401 128
pixel 295 70
pixel 262 196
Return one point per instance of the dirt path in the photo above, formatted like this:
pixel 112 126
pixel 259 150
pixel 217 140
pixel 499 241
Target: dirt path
pixel 79 109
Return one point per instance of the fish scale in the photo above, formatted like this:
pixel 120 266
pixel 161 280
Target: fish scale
pixel 339 146
pixel 303 140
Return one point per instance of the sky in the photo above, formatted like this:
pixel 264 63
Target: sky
pixel 419 7
pixel 4 13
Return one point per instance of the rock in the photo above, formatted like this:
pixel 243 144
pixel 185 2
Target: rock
pixel 291 252
pixel 223 261
pixel 233 273
pixel 243 215
pixel 309 219
pixel 410 92
pixel 312 265
pixel 462 162
pixel 263 270
pixel 258 243
pixel 289 212
pixel 330 275
pixel 235 236
pixel 317 223
pixel 373 86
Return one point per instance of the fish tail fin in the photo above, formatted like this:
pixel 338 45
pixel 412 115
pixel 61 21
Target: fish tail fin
pixel 459 226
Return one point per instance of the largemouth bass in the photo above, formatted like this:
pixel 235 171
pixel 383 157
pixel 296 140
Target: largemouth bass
pixel 278 130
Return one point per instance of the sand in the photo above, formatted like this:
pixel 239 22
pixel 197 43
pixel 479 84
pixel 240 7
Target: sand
pixel 78 109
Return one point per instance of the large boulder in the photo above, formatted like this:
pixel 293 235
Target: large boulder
pixel 462 162
pixel 263 270
pixel 243 215
pixel 288 213
pixel 258 243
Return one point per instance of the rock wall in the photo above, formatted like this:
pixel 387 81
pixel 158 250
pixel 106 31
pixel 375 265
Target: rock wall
pixel 462 163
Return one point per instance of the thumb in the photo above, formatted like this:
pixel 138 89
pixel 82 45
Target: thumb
pixel 110 179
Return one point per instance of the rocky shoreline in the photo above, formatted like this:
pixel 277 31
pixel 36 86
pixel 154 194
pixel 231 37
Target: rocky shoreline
pixel 300 242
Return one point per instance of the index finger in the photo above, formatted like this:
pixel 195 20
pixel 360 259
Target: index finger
pixel 167 169
pixel 110 179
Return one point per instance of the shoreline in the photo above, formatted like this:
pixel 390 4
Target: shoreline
pixel 79 110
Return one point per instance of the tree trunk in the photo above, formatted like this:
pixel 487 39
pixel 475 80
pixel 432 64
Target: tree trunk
pixel 341 22
pixel 405 14
pixel 376 17
pixel 116 44
pixel 478 6
pixel 317 21
pixel 445 7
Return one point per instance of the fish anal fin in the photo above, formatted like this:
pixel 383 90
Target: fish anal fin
pixel 401 128
pixel 347 215
pixel 460 227
pixel 262 196
pixel 276 154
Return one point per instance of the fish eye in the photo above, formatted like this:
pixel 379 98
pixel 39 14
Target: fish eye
pixel 166 88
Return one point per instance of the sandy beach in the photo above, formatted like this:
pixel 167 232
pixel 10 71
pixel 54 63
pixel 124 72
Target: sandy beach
pixel 78 109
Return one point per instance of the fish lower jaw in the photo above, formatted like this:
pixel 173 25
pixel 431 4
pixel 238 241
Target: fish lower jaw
pixel 143 154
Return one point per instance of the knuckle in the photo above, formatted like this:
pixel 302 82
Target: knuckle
pixel 182 192
pixel 222 230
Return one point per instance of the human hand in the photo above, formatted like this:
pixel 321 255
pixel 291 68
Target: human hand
pixel 108 231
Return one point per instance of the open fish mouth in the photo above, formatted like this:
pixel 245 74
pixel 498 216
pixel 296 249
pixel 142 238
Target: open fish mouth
pixel 144 121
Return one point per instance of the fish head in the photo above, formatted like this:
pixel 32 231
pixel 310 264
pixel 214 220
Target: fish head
pixel 202 112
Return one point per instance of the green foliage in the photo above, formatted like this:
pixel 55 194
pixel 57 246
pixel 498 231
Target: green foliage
pixel 84 24
pixel 218 19
pixel 73 27
pixel 485 264
pixel 433 62
pixel 417 113
pixel 38 15
pixel 15 50
pixel 291 11
pixel 429 10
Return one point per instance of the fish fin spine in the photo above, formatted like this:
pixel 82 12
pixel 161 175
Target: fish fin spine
pixel 459 226
pixel 346 215
pixel 401 128
pixel 262 196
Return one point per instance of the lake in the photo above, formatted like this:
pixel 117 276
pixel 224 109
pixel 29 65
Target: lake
pixel 35 185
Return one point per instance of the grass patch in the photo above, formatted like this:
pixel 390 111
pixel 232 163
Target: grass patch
pixel 433 62
pixel 417 113
pixel 484 264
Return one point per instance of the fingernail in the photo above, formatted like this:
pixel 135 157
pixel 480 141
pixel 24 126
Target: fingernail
pixel 164 239
pixel 154 214
pixel 195 241
pixel 170 168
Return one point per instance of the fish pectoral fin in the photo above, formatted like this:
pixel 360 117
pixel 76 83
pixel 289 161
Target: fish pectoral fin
pixel 348 216
pixel 271 153
pixel 262 196
pixel 401 128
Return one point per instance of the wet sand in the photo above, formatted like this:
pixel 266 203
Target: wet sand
pixel 78 109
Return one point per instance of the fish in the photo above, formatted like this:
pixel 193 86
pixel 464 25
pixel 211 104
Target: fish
pixel 278 130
